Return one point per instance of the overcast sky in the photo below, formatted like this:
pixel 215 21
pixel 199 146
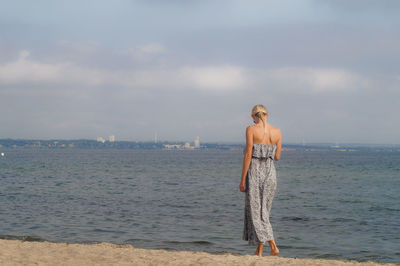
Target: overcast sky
pixel 328 71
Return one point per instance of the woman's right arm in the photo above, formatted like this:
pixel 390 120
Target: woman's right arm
pixel 247 158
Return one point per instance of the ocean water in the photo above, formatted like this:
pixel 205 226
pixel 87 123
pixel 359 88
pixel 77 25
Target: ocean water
pixel 329 204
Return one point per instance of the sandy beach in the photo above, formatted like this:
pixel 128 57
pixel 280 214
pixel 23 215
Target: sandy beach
pixel 17 252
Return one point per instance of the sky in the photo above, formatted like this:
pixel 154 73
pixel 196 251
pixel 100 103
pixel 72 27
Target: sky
pixel 327 71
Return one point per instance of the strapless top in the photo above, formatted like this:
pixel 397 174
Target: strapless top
pixel 263 151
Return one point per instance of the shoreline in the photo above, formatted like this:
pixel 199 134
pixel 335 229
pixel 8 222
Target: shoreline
pixel 17 252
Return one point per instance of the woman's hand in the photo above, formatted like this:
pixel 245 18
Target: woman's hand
pixel 242 187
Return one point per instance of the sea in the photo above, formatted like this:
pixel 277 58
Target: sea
pixel 329 204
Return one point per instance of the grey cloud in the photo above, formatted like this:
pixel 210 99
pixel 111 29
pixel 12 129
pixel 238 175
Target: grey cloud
pixel 382 7
pixel 327 72
pixel 300 100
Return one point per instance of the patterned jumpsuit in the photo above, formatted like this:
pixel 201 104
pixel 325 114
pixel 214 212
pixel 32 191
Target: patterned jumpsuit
pixel 260 191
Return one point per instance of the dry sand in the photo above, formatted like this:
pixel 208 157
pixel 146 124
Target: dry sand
pixel 17 252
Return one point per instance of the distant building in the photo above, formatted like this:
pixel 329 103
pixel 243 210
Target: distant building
pixel 172 146
pixel 100 139
pixel 186 146
pixel 111 138
pixel 197 142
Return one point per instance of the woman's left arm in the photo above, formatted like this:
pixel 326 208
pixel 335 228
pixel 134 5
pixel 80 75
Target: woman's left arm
pixel 247 158
pixel 278 148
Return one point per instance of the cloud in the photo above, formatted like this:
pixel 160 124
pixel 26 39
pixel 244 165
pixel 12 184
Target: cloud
pixel 313 80
pixel 99 71
pixel 361 6
pixel 218 78
pixel 144 54
pixel 152 48
pixel 80 48
pixel 224 77
pixel 26 71
pixel 23 70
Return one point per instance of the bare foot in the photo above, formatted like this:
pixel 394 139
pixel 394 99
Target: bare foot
pixel 258 252
pixel 274 252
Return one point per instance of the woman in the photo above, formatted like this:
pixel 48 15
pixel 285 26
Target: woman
pixel 263 145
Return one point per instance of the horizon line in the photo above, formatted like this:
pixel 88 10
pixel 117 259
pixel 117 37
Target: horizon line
pixel 335 143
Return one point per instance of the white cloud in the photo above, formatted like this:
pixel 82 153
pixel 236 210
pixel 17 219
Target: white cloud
pixel 25 71
pixel 311 80
pixel 221 78
pixel 214 77
pixel 143 52
pixel 152 48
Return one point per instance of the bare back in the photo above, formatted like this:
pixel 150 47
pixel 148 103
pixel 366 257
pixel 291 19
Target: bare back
pixel 271 135
pixel 257 134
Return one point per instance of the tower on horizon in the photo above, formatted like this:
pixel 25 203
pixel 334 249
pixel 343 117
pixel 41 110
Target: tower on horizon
pixel 197 142
pixel 155 138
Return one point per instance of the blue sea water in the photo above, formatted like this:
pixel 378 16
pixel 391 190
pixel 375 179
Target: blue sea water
pixel 329 204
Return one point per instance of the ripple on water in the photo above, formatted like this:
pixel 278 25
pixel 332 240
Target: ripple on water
pixel 189 200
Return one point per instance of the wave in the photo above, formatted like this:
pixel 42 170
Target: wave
pixel 173 242
pixel 197 242
pixel 295 218
pixel 23 238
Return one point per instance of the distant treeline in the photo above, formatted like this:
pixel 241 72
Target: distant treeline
pixel 94 144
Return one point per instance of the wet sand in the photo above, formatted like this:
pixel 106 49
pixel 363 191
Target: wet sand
pixel 17 252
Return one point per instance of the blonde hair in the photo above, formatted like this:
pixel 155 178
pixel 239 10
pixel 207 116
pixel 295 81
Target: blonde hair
pixel 261 112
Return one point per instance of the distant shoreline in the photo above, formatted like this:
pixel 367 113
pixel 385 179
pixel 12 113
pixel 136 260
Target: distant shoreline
pixel 179 145
pixel 17 252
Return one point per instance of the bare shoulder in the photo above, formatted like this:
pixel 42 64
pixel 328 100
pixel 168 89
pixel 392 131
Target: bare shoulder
pixel 276 131
pixel 250 128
